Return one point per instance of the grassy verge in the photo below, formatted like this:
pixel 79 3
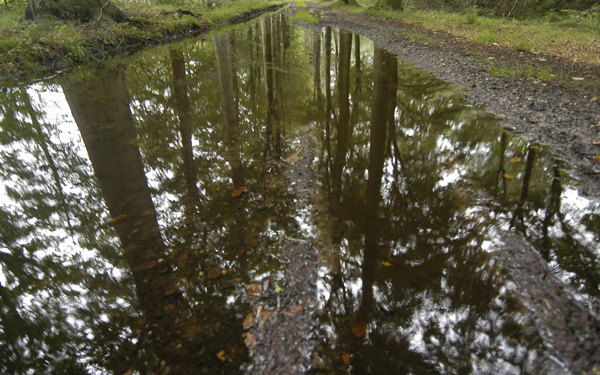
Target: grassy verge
pixel 39 48
pixel 571 35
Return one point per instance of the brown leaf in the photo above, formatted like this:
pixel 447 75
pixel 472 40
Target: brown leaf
pixel 508 176
pixel 293 158
pixel 191 331
pixel 254 289
pixel 264 316
pixel 346 358
pixel 213 273
pixel 248 321
pixel 221 356
pixel 597 158
pixel 239 191
pixel 359 330
pixel 250 341
pixel 145 266
pixel 597 143
pixel 293 310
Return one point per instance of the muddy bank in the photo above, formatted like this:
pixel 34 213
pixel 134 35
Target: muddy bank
pixel 565 118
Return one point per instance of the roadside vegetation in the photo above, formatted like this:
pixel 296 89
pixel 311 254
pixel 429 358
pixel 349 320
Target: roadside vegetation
pixel 38 48
pixel 568 29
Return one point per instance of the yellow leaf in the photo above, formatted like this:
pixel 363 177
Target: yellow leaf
pixel 516 159
pixel 293 158
pixel 221 356
pixel 577 78
pixel 277 287
pixel 346 358
pixel 597 158
pixel 594 99
pixel 386 263
pixel 239 191
pixel 508 176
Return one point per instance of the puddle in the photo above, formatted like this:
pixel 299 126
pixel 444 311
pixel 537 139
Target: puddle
pixel 148 208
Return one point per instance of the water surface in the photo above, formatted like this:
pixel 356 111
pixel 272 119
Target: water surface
pixel 142 204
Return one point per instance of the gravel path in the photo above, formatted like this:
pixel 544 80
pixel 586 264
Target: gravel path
pixel 553 113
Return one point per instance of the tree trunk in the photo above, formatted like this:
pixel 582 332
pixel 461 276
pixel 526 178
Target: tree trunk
pixel 74 10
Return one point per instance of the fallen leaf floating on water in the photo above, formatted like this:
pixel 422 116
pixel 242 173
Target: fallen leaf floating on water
pixel 213 273
pixel 359 330
pixel 221 356
pixel 508 176
pixel 386 263
pixel 293 310
pixel 191 331
pixel 516 159
pixel 250 341
pixel 239 191
pixel 248 321
pixel 145 266
pixel 346 358
pixel 293 158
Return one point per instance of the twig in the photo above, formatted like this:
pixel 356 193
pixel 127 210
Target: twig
pixel 101 9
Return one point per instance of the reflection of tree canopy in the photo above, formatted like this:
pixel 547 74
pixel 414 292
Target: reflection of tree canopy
pixel 438 301
pixel 436 298
pixel 62 298
pixel 66 291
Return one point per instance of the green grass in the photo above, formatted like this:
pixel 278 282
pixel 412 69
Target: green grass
pixel 543 74
pixel 551 34
pixel 27 48
pixel 306 16
pixel 301 4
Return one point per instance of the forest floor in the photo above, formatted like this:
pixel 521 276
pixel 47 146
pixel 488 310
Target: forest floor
pixel 558 113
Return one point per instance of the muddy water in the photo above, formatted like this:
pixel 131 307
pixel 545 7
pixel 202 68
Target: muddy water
pixel 146 211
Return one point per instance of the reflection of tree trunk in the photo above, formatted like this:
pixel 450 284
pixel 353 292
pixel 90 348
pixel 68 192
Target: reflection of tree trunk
pixel 518 220
pixel 552 209
pixel 317 79
pixel 342 129
pixel 501 172
pixel 42 141
pixel 384 65
pixel 184 114
pixel 277 76
pixel 251 77
pixel 230 114
pixel 328 106
pixel 268 62
pixel 232 128
pixel 100 108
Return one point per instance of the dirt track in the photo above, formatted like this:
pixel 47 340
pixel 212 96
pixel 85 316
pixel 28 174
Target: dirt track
pixel 553 113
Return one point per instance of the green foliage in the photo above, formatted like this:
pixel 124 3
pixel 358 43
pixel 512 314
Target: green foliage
pixel 471 14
